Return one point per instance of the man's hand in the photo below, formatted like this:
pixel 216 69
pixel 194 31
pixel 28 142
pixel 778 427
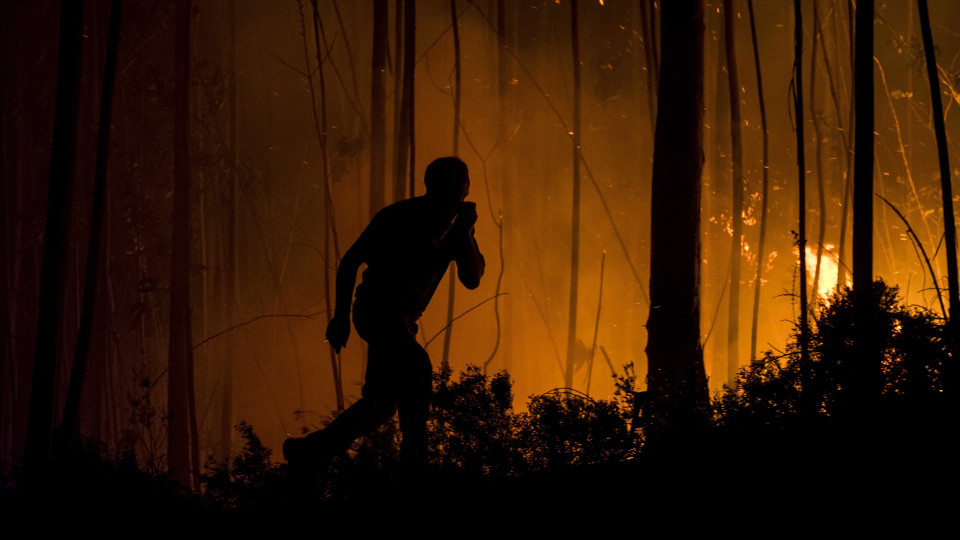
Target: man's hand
pixel 338 331
pixel 466 215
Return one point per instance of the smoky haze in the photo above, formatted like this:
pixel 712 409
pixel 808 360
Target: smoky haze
pixel 258 330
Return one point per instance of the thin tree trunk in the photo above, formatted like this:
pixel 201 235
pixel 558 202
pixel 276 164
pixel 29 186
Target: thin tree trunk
pixel 180 406
pixel 328 217
pixel 802 186
pixel 765 189
pixel 55 242
pixel 452 274
pixel 736 143
pixel 378 121
pixel 232 289
pixel 82 350
pixel 676 376
pixel 946 189
pixel 403 147
pixel 818 151
pixel 575 216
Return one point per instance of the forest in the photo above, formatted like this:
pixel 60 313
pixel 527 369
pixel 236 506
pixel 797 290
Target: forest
pixel 706 225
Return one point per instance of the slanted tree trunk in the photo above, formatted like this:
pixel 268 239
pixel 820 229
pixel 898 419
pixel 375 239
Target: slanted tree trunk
pixel 676 376
pixel 765 189
pixel 68 423
pixel 452 273
pixel 55 237
pixel 180 400
pixel 736 143
pixel 946 189
pixel 575 219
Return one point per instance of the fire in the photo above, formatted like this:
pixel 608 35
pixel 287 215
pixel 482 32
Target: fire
pixel 828 270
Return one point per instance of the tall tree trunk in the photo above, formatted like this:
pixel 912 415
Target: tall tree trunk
pixel 452 273
pixel 848 180
pixel 403 147
pixel 802 187
pixel 329 221
pixel 736 143
pixel 765 189
pixel 232 283
pixel 82 350
pixel 676 376
pixel 858 376
pixel 55 241
pixel 946 189
pixel 575 219
pixel 180 407
pixel 817 152
pixel 378 121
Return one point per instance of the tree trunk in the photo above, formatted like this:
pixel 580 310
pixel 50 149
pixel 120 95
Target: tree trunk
pixel 736 143
pixel 575 219
pixel 232 283
pixel 858 376
pixel 946 189
pixel 55 241
pixel 82 350
pixel 676 376
pixel 802 187
pixel 452 273
pixel 403 147
pixel 817 152
pixel 378 121
pixel 180 406
pixel 765 189
pixel 329 221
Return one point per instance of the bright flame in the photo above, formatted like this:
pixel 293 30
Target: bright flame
pixel 828 270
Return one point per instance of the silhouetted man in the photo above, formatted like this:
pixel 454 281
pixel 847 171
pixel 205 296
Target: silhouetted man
pixel 407 248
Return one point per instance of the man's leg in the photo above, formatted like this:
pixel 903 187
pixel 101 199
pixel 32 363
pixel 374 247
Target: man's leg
pixel 377 406
pixel 413 402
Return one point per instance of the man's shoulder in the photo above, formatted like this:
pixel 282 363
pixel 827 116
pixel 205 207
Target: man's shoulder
pixel 401 210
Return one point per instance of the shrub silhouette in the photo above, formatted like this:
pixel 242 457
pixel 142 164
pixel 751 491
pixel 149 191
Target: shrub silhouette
pixel 914 347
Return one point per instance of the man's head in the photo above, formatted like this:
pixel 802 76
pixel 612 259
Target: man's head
pixel 447 180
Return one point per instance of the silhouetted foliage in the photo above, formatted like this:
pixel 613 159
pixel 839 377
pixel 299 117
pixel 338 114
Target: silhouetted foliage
pixel 251 480
pixel 769 393
pixel 472 426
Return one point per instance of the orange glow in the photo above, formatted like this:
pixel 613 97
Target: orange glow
pixel 828 270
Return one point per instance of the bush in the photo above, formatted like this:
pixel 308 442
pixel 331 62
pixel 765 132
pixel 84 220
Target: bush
pixel 913 346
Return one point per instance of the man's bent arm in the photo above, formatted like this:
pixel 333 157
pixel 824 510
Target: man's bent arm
pixel 470 262
pixel 339 328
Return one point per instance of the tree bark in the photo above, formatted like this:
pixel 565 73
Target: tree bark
pixel 378 121
pixel 765 189
pixel 802 187
pixel 575 215
pixel 452 272
pixel 736 143
pixel 77 374
pixel 946 189
pixel 857 376
pixel 404 147
pixel 676 376
pixel 55 241
pixel 180 406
